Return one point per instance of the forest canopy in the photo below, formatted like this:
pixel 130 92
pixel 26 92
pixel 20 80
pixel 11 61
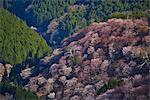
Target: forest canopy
pixel 72 15
pixel 18 41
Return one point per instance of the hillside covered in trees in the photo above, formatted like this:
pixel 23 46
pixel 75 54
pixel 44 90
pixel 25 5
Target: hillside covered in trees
pixel 101 49
pixel 57 19
pixel 104 61
pixel 18 43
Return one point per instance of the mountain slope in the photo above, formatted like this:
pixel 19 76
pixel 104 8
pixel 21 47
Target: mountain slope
pixel 71 15
pixel 18 41
pixel 103 61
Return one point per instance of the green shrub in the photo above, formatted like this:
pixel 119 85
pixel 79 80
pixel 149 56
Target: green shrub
pixel 77 59
pixel 113 83
pixel 18 92
pixel 102 89
pixel 22 94
pixel 110 85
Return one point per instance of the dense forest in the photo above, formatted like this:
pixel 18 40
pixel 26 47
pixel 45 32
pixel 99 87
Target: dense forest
pixel 74 49
pixel 18 43
pixel 58 19
pixel 68 16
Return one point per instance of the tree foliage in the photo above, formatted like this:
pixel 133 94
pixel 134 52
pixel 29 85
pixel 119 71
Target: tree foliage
pixel 83 13
pixel 110 85
pixel 18 92
pixel 18 42
pixel 73 15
